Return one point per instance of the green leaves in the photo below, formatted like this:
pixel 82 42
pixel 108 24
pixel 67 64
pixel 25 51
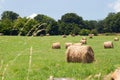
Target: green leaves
pixel 9 15
pixel 70 23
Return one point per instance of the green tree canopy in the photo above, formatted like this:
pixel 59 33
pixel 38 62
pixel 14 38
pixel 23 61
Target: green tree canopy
pixel 91 24
pixel 70 23
pixel 9 15
pixel 112 22
pixel 6 26
pixel 51 27
pixel 43 19
pixel 72 18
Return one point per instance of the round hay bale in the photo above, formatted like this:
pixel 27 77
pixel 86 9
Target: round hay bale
pixel 116 39
pixel 83 41
pixel 67 44
pixel 77 44
pixel 41 35
pixel 73 35
pixel 84 38
pixel 108 44
pixel 56 45
pixel 48 34
pixel 84 54
pixel 90 36
pixel 52 78
pixel 64 36
pixel 93 34
pixel 116 75
pixel 1 34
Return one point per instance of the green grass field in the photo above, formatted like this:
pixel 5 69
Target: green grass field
pixel 15 57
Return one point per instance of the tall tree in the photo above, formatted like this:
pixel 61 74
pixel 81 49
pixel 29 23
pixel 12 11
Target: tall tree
pixel 6 26
pixel 91 24
pixel 43 19
pixel 100 26
pixel 70 23
pixel 116 23
pixel 108 22
pixel 19 25
pixel 72 18
pixel 51 27
pixel 9 15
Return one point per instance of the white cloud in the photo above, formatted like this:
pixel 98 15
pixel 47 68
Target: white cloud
pixel 32 16
pixel 115 5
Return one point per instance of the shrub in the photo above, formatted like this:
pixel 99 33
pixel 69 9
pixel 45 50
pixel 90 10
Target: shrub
pixel 84 32
pixel 94 31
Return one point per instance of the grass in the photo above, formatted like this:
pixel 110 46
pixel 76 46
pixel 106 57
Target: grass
pixel 45 62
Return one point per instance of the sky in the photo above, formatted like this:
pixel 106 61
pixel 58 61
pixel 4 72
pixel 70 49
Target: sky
pixel 87 9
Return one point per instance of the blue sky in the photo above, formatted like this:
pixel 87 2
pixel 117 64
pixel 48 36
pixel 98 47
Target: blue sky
pixel 88 9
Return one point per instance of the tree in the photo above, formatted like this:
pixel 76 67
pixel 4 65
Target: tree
pixel 28 25
pixel 62 28
pixel 72 18
pixel 19 26
pixel 94 31
pixel 91 24
pixel 6 26
pixel 84 32
pixel 70 23
pixel 67 28
pixel 116 23
pixel 75 30
pixel 112 23
pixel 40 29
pixel 43 19
pixel 9 15
pixel 39 18
pixel 108 22
pixel 53 29
pixel 1 31
pixel 100 26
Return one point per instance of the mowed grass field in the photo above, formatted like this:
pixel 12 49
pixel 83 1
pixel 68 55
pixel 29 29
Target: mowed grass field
pixel 46 62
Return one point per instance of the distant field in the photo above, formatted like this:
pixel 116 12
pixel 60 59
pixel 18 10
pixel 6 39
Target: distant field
pixel 15 53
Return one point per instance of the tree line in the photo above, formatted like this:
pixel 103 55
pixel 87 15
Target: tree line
pixel 70 23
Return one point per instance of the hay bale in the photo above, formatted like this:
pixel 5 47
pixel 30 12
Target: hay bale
pixel 84 54
pixel 116 39
pixel 108 44
pixel 41 35
pixel 83 41
pixel 48 34
pixel 107 77
pixel 84 38
pixel 52 78
pixel 64 36
pixel 77 44
pixel 113 75
pixel 68 44
pixel 73 35
pixel 1 34
pixel 56 45
pixel 116 75
pixel 93 34
pixel 90 36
